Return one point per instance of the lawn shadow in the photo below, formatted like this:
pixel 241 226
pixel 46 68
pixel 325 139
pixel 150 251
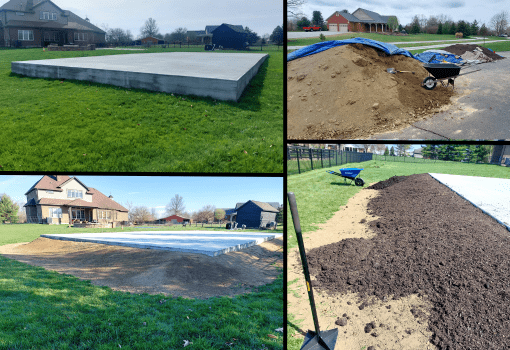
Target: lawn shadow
pixel 342 184
pixel 296 328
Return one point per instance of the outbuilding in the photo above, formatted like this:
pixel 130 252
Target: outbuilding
pixel 255 214
pixel 230 36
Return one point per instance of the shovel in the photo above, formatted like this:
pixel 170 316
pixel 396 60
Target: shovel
pixel 393 71
pixel 313 340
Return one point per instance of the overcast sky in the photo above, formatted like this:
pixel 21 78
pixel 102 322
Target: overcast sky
pixel 467 10
pixel 261 16
pixel 157 191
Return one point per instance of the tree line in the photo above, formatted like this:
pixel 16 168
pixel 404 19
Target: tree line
pixel 448 152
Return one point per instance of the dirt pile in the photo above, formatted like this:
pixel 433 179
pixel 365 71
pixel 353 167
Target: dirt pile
pixel 387 183
pixel 154 271
pixel 432 243
pixel 346 92
pixel 461 49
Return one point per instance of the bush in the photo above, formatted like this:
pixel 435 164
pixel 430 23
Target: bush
pixel 322 37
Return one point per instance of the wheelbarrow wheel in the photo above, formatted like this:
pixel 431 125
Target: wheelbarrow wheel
pixel 429 83
pixel 359 181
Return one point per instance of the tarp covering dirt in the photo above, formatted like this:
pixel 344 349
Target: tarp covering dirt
pixel 346 92
pixel 432 243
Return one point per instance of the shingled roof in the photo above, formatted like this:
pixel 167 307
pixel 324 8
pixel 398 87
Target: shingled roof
pixel 261 205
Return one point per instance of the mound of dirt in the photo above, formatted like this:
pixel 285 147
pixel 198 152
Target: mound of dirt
pixel 346 92
pixel 154 271
pixel 432 243
pixel 461 49
pixel 387 183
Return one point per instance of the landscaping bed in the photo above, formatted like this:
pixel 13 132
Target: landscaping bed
pixel 430 244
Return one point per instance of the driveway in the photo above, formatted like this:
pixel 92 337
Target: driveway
pixel 480 112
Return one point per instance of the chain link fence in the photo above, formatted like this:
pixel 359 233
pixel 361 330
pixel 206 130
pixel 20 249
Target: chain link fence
pixel 300 159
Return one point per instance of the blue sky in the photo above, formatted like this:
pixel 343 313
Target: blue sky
pixel 157 191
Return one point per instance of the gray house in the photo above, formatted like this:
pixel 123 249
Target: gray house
pixel 255 214
pixel 38 23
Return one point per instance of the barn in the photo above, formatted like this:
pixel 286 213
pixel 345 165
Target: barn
pixel 255 214
pixel 230 36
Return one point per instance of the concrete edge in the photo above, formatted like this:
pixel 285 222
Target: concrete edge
pixel 181 250
pixel 246 78
pixel 460 195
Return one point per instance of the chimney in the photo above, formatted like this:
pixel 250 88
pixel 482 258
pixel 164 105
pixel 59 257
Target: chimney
pixel 111 197
pixel 30 4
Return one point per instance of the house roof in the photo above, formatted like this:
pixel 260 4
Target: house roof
pixel 20 5
pixel 261 205
pixel 376 18
pixel 175 216
pixel 235 28
pixel 149 37
pixel 49 182
pixel 78 23
pixel 209 29
pixel 348 16
pixel 197 32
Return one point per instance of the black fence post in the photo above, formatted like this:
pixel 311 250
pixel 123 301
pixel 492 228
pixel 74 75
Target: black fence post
pixel 299 156
pixel 322 162
pixel 311 156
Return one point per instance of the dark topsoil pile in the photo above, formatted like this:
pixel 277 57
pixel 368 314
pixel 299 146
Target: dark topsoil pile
pixel 387 183
pixel 460 49
pixel 345 92
pixel 431 242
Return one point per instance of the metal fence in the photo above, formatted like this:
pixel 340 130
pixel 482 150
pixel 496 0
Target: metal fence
pixel 423 160
pixel 300 160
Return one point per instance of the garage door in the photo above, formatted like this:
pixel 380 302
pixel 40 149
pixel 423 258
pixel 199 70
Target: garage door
pixel 333 28
pixel 343 28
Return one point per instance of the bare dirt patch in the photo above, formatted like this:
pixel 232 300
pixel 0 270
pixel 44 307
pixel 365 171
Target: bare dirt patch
pixel 153 271
pixel 346 92
pixel 396 325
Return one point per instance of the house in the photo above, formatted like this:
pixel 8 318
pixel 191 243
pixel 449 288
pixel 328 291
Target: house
pixel 417 152
pixel 255 214
pixel 354 148
pixel 176 219
pixel 38 23
pixel 501 155
pixel 360 20
pixel 230 36
pixel 56 198
pixel 152 40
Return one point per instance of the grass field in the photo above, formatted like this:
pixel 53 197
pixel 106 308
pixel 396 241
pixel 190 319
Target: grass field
pixel 80 126
pixel 319 194
pixel 380 37
pixel 47 310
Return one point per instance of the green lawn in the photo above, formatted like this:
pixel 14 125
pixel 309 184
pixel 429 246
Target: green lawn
pixel 380 37
pixel 319 194
pixel 47 310
pixel 80 126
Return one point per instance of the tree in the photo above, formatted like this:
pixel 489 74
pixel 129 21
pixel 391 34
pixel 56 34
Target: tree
pixel 480 152
pixel 303 22
pixel 178 35
pixel 277 36
pixel 430 151
pixel 463 27
pixel 294 7
pixel 119 36
pixel 219 214
pixel 415 25
pixel 499 22
pixel 279 216
pixel 317 18
pixel 150 28
pixel 252 37
pixel 453 29
pixel 392 151
pixel 205 214
pixel 440 28
pixel 176 206
pixel 141 214
pixel 483 30
pixel 474 28
pixel 400 28
pixel 401 149
pixel 8 209
pixel 393 23
pixel 22 213
pixel 386 151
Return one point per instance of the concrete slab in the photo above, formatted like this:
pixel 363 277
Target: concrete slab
pixel 491 195
pixel 210 243
pixel 222 76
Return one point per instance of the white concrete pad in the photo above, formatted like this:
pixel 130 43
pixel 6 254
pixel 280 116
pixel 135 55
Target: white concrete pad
pixel 491 195
pixel 210 243
pixel 222 76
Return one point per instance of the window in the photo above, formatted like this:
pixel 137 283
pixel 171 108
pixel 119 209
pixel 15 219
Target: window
pixel 80 37
pixel 50 36
pixel 103 214
pixel 78 214
pixel 45 15
pixel 49 192
pixel 20 13
pixel 26 35
pixel 55 212
pixel 53 16
pixel 74 194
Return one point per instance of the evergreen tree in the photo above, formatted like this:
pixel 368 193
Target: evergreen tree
pixel 8 210
pixel 430 151
pixel 453 28
pixel 317 18
pixel 386 151
pixel 474 28
pixel 480 152
pixel 415 25
pixel 483 30
pixel 303 22
pixel 440 28
pixel 463 28
pixel 392 151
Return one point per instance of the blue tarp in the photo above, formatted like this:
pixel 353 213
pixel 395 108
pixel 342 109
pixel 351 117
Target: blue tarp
pixel 439 57
pixel 390 49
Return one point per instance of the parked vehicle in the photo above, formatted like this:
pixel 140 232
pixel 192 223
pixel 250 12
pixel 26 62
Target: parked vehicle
pixel 312 28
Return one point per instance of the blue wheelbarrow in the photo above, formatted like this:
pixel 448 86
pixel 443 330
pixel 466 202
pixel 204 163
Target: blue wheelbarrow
pixel 351 174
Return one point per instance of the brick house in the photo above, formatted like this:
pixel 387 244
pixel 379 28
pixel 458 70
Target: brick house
pixel 38 23
pixel 360 20
pixel 152 40
pixel 255 214
pixel 56 198
pixel 176 219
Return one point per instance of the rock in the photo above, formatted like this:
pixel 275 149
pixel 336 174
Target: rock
pixel 375 105
pixel 341 321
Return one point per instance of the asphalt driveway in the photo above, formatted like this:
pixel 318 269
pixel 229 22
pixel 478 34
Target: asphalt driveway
pixel 480 112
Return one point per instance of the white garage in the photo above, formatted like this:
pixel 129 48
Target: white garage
pixel 333 27
pixel 341 28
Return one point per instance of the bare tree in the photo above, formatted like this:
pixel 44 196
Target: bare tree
pixel 180 34
pixel 294 7
pixel 141 214
pixel 154 214
pixel 205 214
pixel 129 206
pixel 150 28
pixel 401 149
pixel 22 213
pixel 176 206
pixel 118 36
pixel 499 22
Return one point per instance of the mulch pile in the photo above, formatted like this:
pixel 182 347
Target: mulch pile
pixel 387 183
pixel 345 92
pixel 433 243
pixel 461 49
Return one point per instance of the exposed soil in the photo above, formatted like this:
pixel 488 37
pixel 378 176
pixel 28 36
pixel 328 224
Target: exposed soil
pixel 460 49
pixel 346 92
pixel 387 183
pixel 430 243
pixel 154 271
